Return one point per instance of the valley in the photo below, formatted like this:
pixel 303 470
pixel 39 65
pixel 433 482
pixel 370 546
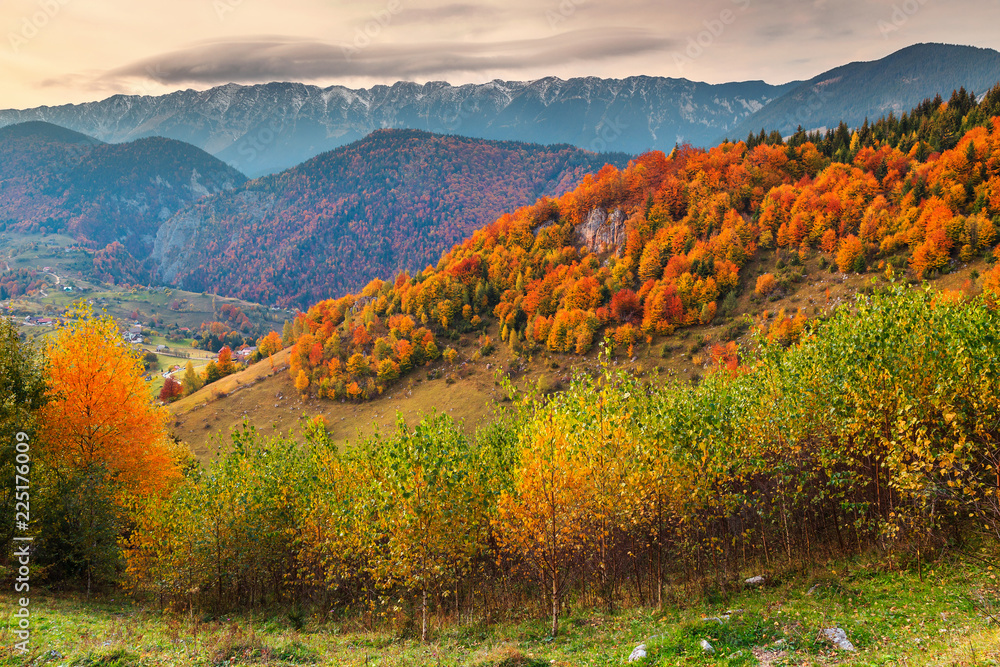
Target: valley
pixel 60 274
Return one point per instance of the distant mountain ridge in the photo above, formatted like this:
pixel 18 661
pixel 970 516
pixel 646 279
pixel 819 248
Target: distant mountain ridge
pixel 860 90
pixel 262 129
pixel 391 202
pixel 65 181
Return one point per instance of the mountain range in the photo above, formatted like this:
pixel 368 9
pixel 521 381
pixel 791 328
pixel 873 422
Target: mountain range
pixel 894 84
pixel 263 129
pixel 266 128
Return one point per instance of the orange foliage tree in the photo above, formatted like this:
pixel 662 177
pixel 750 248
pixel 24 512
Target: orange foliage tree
pixel 766 284
pixel 100 413
pixel 225 361
pixel 269 344
pixel 102 450
pixel 545 518
pixel 172 390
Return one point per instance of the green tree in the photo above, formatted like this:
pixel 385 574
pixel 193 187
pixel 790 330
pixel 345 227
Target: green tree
pixel 192 382
pixel 22 395
pixel 212 372
pixel 433 515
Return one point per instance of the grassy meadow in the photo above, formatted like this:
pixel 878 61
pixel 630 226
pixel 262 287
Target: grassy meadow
pixel 892 615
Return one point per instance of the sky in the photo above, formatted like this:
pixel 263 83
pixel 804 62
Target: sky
pixel 69 51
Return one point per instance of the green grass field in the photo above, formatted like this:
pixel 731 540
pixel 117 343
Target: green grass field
pixel 893 617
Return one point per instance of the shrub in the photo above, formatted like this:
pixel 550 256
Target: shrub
pixel 766 284
pixel 548 384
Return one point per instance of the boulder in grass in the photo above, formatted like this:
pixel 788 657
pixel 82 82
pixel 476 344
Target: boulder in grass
pixel 638 653
pixel 707 648
pixel 754 582
pixel 838 637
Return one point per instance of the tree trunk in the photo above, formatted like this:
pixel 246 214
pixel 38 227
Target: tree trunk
pixel 555 605
pixel 423 612
pixel 659 554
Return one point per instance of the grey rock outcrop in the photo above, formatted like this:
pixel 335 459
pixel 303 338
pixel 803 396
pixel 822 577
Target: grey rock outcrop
pixel 602 232
pixel 178 237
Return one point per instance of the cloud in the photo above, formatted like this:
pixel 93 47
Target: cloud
pixel 772 31
pixel 271 58
pixel 450 12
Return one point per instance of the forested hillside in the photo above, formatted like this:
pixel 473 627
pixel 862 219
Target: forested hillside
pixel 634 254
pixel 390 202
pixel 57 180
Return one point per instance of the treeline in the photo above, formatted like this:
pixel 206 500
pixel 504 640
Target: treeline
pixel 931 127
pixel 342 350
pixel 877 431
pixel 233 329
pixel 635 254
pixel 224 364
